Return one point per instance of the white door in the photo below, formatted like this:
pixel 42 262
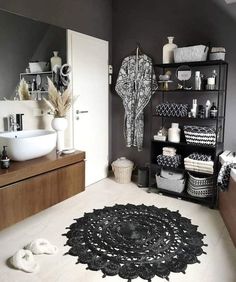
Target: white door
pixel 88 57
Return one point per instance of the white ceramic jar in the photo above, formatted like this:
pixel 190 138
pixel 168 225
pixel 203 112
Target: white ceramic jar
pixel 174 133
pixel 55 60
pixel 168 51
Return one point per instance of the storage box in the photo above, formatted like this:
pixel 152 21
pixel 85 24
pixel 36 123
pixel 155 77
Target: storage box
pixel 170 184
pixel 217 56
pixel 217 53
pixel 191 54
pixel 38 66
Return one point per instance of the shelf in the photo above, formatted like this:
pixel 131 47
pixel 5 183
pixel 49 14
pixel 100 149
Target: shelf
pixel 180 169
pixel 192 64
pixel 184 195
pixel 184 149
pixel 184 144
pixel 38 91
pixel 36 73
pixel 190 118
pixel 189 91
pixel 156 166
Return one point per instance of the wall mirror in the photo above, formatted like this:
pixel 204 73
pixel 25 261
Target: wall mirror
pixel 23 41
pixel 183 75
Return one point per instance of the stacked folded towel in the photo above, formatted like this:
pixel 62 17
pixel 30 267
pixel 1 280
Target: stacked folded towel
pixel 169 151
pixel 199 163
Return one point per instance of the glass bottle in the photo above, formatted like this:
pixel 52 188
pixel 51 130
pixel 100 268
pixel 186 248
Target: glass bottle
pixel 213 111
pixel 198 80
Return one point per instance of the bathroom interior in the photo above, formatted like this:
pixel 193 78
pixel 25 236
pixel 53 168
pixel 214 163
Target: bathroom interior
pixel 104 122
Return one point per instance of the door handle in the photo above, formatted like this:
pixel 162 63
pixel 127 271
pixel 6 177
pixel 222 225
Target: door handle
pixel 81 112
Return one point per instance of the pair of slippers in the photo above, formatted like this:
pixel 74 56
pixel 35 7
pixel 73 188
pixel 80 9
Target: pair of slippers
pixel 24 258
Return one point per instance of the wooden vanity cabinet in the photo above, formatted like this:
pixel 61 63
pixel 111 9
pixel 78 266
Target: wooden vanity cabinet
pixel 29 187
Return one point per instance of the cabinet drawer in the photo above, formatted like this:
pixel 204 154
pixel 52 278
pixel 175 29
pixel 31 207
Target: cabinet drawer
pixel 30 196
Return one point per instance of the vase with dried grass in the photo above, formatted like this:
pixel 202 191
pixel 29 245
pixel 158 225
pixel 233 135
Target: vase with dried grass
pixel 59 104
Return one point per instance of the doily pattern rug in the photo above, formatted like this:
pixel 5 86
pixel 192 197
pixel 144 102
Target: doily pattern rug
pixel 135 241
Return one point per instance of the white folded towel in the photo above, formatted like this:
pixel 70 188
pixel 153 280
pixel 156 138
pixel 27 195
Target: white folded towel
pixel 199 169
pixel 202 163
pixel 168 154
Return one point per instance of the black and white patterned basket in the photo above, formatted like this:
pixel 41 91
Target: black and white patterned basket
pixel 200 187
pixel 200 157
pixel 172 110
pixel 169 161
pixel 200 135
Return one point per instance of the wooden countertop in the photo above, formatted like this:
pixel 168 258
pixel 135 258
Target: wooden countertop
pixel 22 170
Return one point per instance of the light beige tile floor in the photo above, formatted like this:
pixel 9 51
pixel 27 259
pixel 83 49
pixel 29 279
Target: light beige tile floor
pixel 219 265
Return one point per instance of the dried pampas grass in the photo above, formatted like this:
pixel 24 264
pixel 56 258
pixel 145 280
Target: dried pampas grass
pixel 23 90
pixel 59 103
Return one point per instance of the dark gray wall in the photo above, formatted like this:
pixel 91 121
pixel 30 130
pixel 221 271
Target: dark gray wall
pixel 149 23
pixel 92 17
pixel 24 40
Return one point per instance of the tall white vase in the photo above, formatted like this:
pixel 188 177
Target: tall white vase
pixel 59 124
pixel 168 51
pixel 55 60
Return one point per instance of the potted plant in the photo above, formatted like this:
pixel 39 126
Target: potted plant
pixel 59 104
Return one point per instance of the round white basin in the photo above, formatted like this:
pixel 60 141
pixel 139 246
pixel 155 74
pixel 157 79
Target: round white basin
pixel 28 144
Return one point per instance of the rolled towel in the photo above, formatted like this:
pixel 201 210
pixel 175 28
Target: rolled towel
pixel 24 260
pixel 41 246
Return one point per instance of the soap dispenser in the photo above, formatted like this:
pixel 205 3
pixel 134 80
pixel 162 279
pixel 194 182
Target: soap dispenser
pixel 5 161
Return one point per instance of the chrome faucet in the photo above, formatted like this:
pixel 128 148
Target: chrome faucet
pixel 13 125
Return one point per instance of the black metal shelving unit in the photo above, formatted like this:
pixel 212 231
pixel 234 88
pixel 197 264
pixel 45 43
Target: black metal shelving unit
pixel 175 95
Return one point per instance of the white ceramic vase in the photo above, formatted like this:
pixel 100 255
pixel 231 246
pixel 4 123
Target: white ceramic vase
pixel 59 124
pixel 55 60
pixel 168 51
pixel 174 133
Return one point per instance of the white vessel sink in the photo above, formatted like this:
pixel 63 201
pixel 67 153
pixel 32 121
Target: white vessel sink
pixel 28 144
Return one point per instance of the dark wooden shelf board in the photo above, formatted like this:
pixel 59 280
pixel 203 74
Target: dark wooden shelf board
pixel 183 144
pixel 190 118
pixel 192 64
pixel 180 169
pixel 189 91
pixel 184 195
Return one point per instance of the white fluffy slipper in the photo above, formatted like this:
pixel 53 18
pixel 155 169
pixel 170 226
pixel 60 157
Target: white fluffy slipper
pixel 24 260
pixel 41 246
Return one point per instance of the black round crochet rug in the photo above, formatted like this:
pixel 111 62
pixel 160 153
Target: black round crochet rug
pixel 135 241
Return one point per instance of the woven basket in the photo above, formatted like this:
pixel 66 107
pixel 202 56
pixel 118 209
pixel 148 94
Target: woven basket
pixel 122 169
pixel 200 187
pixel 200 135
